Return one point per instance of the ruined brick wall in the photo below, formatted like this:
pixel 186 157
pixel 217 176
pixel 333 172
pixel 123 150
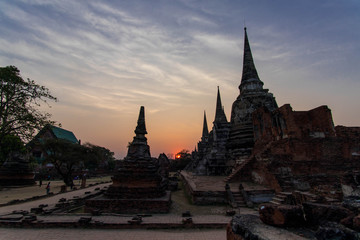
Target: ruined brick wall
pixel 348 132
pixel 264 127
pixel 351 138
pixel 303 149
pixel 316 155
pixel 286 123
pixel 324 164
pixel 263 175
pixel 314 123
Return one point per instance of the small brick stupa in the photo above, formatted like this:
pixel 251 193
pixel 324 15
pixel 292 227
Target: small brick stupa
pixel 16 171
pixel 137 185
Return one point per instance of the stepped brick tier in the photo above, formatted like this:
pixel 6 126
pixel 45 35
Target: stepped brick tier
pixel 130 205
pixel 137 185
pixel 138 179
pixel 16 171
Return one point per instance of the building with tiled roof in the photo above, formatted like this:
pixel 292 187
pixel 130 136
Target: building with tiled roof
pixel 49 132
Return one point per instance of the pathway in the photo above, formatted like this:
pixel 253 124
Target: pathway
pixel 95 234
pixel 49 200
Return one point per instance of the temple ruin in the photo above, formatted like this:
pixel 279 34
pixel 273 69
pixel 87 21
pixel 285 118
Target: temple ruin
pixel 303 151
pixel 231 143
pixel 277 147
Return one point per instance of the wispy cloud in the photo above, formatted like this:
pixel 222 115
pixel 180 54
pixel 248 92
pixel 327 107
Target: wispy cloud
pixel 110 57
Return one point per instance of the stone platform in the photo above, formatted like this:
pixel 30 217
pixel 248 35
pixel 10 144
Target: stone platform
pixel 205 190
pixel 146 205
pixel 113 221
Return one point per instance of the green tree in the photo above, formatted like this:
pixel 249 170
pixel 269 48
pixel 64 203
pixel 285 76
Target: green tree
pixel 66 157
pixel 10 144
pixel 98 157
pixel 20 100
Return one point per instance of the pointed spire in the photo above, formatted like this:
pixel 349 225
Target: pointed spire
pixel 138 148
pixel 205 132
pixel 219 114
pixel 141 128
pixel 249 70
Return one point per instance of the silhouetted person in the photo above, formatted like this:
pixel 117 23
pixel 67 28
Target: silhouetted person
pixel 48 188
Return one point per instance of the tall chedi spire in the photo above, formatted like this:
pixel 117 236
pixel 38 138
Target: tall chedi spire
pixel 220 116
pixel 250 79
pixel 211 157
pixel 215 159
pixel 139 148
pixel 252 96
pixel 205 132
pixel 140 129
pixel 198 163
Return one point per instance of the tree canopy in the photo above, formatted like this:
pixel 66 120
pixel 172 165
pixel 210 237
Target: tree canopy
pixel 10 144
pixel 20 100
pixel 182 159
pixel 65 156
pixel 68 157
pixel 98 157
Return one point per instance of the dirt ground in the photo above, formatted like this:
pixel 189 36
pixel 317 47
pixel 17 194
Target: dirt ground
pixel 180 200
pixel 8 194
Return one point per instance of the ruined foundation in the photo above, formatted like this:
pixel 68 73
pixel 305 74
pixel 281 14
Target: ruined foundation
pixel 145 205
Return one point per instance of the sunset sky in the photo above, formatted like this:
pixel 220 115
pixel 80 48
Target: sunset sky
pixel 105 59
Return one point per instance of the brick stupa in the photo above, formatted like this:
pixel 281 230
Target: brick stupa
pixel 137 185
pixel 16 171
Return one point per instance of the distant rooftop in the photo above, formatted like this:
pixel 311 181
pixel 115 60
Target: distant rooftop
pixel 61 133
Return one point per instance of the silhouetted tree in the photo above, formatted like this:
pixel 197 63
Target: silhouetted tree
pixel 68 157
pixel 10 144
pixel 65 156
pixel 182 158
pixel 98 157
pixel 20 99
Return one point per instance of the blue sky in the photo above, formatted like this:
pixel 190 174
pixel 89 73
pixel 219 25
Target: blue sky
pixel 104 59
